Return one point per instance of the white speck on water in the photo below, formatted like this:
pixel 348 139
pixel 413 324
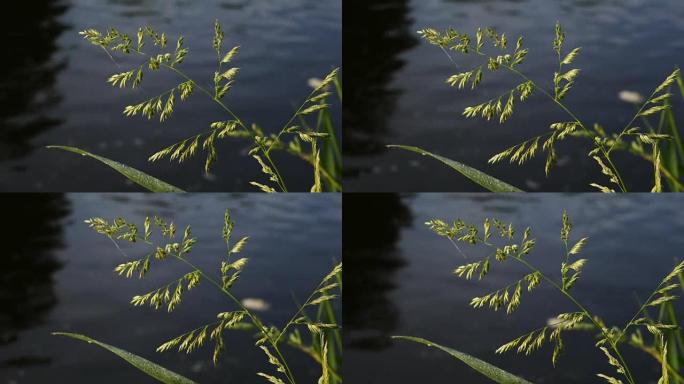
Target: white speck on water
pixel 255 304
pixel 631 97
pixel 199 366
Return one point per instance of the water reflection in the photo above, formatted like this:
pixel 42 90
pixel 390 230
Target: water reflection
pixel 29 73
pixel 380 34
pixel 27 266
pixel 371 230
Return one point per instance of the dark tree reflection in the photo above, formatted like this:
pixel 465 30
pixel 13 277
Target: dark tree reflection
pixel 370 230
pixel 29 71
pixel 375 33
pixel 31 232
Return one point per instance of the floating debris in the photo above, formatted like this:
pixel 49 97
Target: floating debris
pixel 254 304
pixel 631 97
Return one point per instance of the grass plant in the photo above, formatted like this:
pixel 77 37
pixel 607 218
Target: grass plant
pixel 312 329
pixel 308 134
pixel 659 336
pixel 656 141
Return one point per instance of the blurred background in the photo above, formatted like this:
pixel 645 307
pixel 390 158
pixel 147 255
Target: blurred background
pixel 396 91
pixel 53 88
pixel 56 274
pixel 399 281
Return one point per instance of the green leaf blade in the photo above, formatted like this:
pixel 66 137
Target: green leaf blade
pixel 144 180
pixel 482 179
pixel 151 369
pixel 496 374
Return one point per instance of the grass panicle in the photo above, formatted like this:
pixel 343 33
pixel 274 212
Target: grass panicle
pixel 313 328
pixel 507 245
pixel 658 136
pixel 313 139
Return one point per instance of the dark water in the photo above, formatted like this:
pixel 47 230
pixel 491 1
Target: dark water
pixel 396 91
pixel 399 282
pixel 56 274
pixel 53 90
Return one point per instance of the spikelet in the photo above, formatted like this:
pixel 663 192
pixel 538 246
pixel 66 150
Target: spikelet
pixel 317 185
pixel 570 57
pixel 217 42
pixel 668 81
pixel 559 39
pixel 120 79
pixel 614 362
pixel 273 360
pixel 263 187
pixel 239 245
pixel 468 270
pixel 606 170
pixel 230 55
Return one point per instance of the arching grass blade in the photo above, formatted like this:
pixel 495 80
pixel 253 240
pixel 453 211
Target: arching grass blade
pixel 484 180
pixel 496 374
pixel 138 177
pixel 151 369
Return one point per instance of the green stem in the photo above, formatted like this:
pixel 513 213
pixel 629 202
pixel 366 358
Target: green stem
pixel 309 159
pixel 636 116
pixel 606 154
pixel 280 181
pixel 254 319
pixel 641 309
pixel 292 118
pixel 301 308
pixel 579 305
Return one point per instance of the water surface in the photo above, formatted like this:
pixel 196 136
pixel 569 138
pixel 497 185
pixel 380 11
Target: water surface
pixel 399 281
pixel 396 92
pixel 53 90
pixel 56 275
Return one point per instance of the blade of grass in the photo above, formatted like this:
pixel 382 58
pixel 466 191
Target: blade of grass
pixel 330 151
pixel 496 374
pixel 151 369
pixel 675 148
pixel 674 338
pixel 484 180
pixel 680 84
pixel 326 314
pixel 138 177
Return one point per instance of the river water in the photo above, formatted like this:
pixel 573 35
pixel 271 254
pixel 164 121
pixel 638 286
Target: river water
pixel 56 275
pixel 54 91
pixel 399 281
pixel 396 91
